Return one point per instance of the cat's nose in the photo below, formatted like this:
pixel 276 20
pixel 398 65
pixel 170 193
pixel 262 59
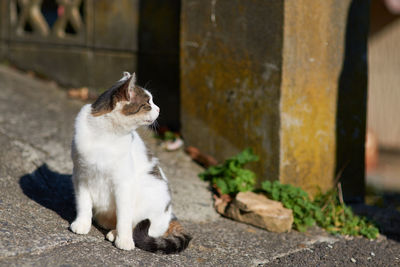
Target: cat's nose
pixel 158 109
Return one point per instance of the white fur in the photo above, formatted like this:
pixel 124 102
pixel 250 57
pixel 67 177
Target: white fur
pixel 111 175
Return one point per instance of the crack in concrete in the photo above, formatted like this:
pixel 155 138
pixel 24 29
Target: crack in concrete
pixel 308 246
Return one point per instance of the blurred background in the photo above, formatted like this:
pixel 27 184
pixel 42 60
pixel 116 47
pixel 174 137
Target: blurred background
pixel 384 95
pixel 89 43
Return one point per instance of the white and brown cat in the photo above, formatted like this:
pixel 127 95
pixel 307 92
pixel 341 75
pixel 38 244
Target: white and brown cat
pixel 116 180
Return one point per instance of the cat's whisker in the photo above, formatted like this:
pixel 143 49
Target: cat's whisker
pixel 147 84
pixel 155 125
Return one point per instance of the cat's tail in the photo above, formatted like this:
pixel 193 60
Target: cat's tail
pixel 173 241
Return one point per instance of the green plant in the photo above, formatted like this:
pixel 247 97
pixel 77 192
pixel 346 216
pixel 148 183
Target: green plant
pixel 230 177
pixel 339 219
pixel 166 136
pixel 305 212
pixel 326 210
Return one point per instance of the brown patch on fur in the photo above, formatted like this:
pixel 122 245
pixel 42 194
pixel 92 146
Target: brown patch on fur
pixel 106 102
pixel 139 103
pixel 131 108
pixel 106 220
pixel 100 112
pixel 175 228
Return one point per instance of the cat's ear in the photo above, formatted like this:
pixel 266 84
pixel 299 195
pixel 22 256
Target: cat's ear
pixel 131 86
pixel 122 90
pixel 125 75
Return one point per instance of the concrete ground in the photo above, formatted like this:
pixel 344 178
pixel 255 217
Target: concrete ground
pixel 36 202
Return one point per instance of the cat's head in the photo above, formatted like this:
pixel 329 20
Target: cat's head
pixel 126 102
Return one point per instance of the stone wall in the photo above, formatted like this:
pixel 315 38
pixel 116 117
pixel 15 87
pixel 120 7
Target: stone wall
pixel 78 44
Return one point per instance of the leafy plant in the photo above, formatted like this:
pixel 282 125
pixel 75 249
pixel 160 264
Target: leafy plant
pixel 230 177
pixel 166 136
pixel 339 219
pixel 305 212
pixel 326 211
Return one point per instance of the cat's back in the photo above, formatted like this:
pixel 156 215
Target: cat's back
pixel 81 124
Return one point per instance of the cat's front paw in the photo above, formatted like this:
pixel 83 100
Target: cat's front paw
pixel 125 243
pixel 81 227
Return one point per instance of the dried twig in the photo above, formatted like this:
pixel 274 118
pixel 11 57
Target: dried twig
pixel 339 174
pixel 340 193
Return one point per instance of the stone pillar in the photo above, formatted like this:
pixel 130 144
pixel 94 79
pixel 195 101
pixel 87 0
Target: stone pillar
pixel 269 75
pixel 231 62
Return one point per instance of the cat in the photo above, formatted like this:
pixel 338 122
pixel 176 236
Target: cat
pixel 116 180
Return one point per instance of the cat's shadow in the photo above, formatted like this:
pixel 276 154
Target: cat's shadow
pixel 52 190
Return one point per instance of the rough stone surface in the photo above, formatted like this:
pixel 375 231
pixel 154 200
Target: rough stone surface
pixel 87 69
pixel 324 95
pixel 290 84
pixel 356 252
pixel 311 68
pixel 231 57
pixel 36 199
pixel 258 210
pixel 115 24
